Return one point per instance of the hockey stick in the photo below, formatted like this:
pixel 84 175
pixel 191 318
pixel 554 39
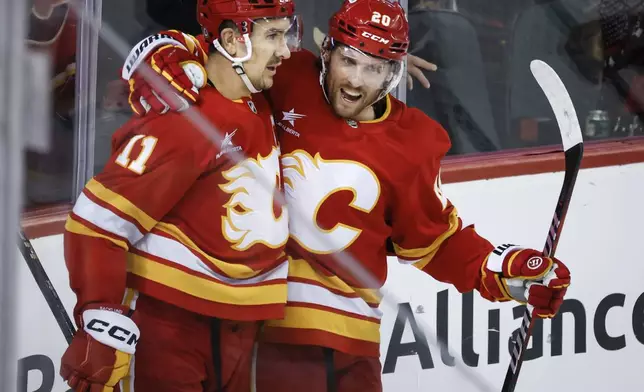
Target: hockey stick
pixel 46 287
pixel 573 146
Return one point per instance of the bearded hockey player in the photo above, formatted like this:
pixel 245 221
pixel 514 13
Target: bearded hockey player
pixel 360 170
pixel 175 251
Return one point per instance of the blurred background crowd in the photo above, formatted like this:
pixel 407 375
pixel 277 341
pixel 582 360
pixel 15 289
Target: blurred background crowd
pixel 482 92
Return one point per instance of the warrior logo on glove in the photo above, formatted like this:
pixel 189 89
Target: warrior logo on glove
pixel 535 262
pixel 525 275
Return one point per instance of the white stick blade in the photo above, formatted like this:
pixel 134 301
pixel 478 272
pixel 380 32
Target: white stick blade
pixel 560 102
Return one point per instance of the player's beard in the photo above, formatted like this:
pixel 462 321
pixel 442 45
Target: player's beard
pixel 345 104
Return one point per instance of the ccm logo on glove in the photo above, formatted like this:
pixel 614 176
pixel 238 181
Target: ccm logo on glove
pixel 112 329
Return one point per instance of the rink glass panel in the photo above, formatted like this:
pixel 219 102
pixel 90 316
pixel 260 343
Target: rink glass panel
pixel 482 93
pixel 52 29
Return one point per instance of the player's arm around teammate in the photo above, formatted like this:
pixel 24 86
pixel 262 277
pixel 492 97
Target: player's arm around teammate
pixel 175 250
pixel 167 53
pixel 424 227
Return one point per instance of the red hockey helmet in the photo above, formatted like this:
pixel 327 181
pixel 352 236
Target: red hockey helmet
pixel 376 27
pixel 368 30
pixel 211 13
pixel 244 13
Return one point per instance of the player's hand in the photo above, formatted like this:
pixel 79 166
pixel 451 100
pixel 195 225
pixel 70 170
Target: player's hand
pixel 180 70
pixel 526 276
pixel 415 67
pixel 101 351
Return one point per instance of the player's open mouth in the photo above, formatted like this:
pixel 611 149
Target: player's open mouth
pixel 351 97
pixel 273 68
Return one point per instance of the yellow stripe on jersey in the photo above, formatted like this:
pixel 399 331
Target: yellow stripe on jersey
pixel 308 318
pixel 428 253
pixel 76 227
pixel 120 203
pixel 298 268
pixel 384 116
pixel 204 288
pixel 235 271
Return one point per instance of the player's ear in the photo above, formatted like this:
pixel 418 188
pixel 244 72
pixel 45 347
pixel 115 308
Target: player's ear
pixel 228 40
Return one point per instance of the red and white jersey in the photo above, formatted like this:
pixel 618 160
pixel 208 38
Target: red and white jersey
pixel 350 187
pixel 189 225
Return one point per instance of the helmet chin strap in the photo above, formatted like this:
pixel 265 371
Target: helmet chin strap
pixel 238 65
pixel 322 80
pixel 325 49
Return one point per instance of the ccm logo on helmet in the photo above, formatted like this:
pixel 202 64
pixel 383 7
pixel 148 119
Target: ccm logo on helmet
pixel 117 332
pixel 375 38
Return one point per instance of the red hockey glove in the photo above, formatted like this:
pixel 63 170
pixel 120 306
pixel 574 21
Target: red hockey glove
pixel 179 59
pixel 101 351
pixel 184 75
pixel 525 275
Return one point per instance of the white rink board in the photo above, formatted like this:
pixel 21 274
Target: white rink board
pixel 602 242
pixel 39 338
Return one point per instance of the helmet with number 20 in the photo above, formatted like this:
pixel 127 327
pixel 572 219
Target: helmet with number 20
pixel 377 28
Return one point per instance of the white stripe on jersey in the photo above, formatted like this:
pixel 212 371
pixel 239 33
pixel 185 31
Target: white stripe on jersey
pixel 313 294
pixel 175 252
pixel 106 219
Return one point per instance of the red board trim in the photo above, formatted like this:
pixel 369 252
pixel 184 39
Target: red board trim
pixel 50 220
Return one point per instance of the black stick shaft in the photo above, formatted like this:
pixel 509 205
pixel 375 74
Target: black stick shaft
pixel 46 287
pixel 573 163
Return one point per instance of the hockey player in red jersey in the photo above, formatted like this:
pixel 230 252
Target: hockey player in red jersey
pixel 176 251
pixel 362 170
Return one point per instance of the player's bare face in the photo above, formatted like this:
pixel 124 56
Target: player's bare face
pixel 354 81
pixel 269 39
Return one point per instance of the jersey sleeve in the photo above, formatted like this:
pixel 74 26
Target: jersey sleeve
pixel 427 230
pixel 149 171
